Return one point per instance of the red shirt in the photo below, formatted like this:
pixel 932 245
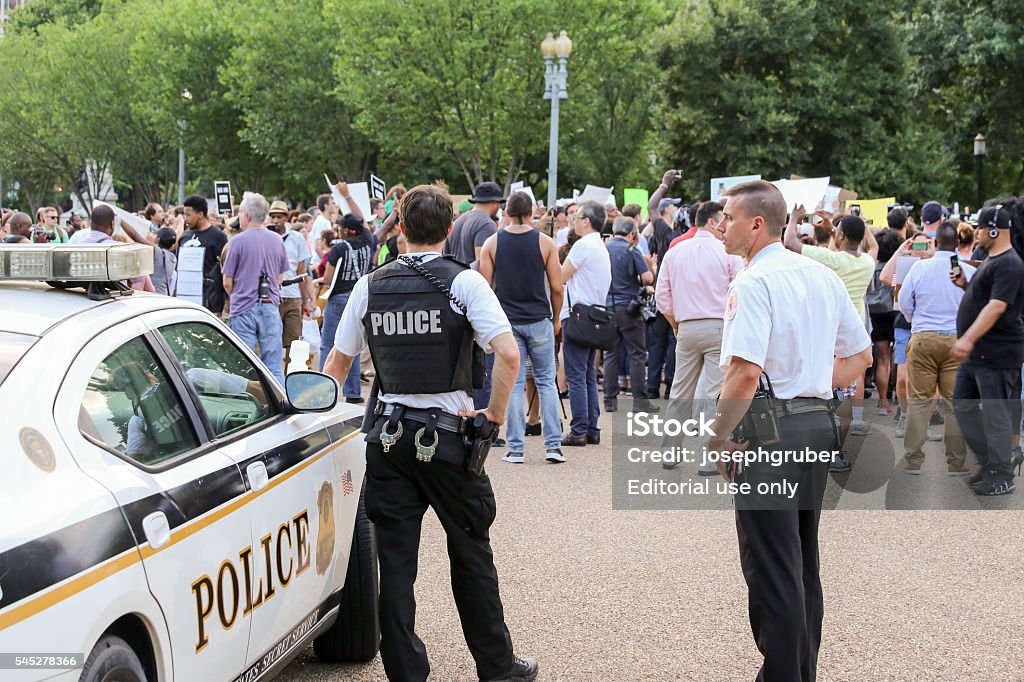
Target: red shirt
pixel 683 237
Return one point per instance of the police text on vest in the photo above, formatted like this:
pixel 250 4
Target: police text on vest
pixel 406 322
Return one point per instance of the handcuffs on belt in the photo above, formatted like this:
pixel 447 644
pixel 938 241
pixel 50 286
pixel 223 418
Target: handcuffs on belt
pixel 424 453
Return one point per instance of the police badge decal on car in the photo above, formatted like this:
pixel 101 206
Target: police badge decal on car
pixel 325 541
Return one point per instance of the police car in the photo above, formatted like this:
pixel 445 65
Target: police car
pixel 168 511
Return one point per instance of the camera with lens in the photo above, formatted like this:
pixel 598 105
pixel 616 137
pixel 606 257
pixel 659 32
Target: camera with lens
pixel 264 289
pixel 42 234
pixel 642 306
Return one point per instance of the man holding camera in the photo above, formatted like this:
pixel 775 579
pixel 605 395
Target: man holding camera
pixel 693 284
pixel 629 273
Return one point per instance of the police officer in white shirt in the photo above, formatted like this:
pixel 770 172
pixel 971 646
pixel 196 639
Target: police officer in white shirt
pixel 426 319
pixel 793 321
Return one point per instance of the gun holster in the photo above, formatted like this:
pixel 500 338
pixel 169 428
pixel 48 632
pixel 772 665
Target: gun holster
pixel 760 425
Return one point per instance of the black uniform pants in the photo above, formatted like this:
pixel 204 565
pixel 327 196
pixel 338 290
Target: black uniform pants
pixel 633 332
pixel 399 488
pixel 778 541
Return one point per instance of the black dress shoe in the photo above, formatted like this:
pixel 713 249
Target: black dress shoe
pixel 523 670
pixel 572 440
pixel 644 406
pixel 534 429
pixel 593 440
pixel 355 401
pixel 611 405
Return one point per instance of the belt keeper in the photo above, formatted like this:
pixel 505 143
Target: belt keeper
pixel 425 453
pixel 392 429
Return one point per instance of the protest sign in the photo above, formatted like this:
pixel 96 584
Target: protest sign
pixel 719 185
pixel 378 190
pixel 873 211
pixel 140 224
pixel 632 195
pixel 808 192
pixel 360 193
pixel 595 193
pixel 222 194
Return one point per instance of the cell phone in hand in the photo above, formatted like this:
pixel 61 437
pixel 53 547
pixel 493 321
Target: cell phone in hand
pixel 919 246
pixel 954 266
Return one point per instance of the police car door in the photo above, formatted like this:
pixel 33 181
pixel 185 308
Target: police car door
pixel 130 423
pixel 289 585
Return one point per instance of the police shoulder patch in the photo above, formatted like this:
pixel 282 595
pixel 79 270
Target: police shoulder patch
pixel 731 304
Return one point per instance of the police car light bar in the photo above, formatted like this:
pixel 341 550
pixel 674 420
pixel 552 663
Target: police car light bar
pixel 71 263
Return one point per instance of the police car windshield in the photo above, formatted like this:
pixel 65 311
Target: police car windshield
pixel 12 347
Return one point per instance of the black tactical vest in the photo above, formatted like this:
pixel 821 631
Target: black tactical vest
pixel 418 342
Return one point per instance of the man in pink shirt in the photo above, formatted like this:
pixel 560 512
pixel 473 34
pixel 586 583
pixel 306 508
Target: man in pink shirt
pixel 693 284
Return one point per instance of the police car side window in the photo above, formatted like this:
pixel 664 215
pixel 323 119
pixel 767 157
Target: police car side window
pixel 231 390
pixel 131 406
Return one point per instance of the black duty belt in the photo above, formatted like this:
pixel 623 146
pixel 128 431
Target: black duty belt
pixel 445 421
pixel 786 408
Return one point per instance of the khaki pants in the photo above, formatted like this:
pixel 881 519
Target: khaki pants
pixel 930 365
pixel 291 320
pixel 698 379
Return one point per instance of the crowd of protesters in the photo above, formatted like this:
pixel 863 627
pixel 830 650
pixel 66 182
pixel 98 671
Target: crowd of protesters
pixel 948 349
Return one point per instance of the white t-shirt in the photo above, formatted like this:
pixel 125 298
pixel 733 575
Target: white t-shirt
pixel 483 311
pixel 562 236
pixel 791 316
pixel 590 282
pixel 319 225
pixel 297 250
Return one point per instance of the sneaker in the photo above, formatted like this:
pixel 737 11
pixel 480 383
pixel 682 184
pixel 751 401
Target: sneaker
pixel 912 468
pixel 977 478
pixel 534 429
pixel 839 465
pixel 934 435
pixel 957 470
pixel 860 429
pixel 937 418
pixel 514 458
pixel 555 456
pixel 523 670
pixel 644 405
pixel 991 487
pixel 499 443
pixel 901 427
pixel 884 409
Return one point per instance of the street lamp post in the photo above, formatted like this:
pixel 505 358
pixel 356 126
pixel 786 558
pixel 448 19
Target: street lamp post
pixel 554 90
pixel 187 96
pixel 979 162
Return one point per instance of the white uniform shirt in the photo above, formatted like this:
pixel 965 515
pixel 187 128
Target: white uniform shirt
pixel 297 249
pixel 791 316
pixel 592 279
pixel 482 309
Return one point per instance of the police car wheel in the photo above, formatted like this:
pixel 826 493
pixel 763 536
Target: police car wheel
pixel 355 636
pixel 112 660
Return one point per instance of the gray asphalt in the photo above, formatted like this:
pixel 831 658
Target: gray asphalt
pixel 601 594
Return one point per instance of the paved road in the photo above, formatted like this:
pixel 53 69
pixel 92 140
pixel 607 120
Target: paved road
pixel 600 594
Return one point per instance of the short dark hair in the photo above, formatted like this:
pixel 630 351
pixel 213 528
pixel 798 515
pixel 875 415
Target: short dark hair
pixel 888 242
pixel 946 238
pixel 761 198
pixel 822 234
pixel 706 211
pixel 322 201
pixel 519 205
pixel 632 211
pixel 165 237
pixel 375 204
pixel 198 203
pixel 426 212
pixel 151 209
pixel 102 217
pixel 853 228
pixel 594 213
pixel 897 218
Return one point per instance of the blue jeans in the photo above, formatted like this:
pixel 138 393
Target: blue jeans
pixel 983 404
pixel 262 325
pixel 332 316
pixel 538 340
pixel 581 375
pixel 661 356
pixel 482 395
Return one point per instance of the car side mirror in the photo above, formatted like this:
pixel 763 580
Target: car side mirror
pixel 311 391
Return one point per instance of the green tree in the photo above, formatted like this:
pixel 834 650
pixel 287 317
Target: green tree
pixel 294 111
pixel 969 59
pixel 784 86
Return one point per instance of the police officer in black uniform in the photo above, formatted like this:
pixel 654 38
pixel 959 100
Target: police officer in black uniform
pixel 426 319
pixel 790 319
